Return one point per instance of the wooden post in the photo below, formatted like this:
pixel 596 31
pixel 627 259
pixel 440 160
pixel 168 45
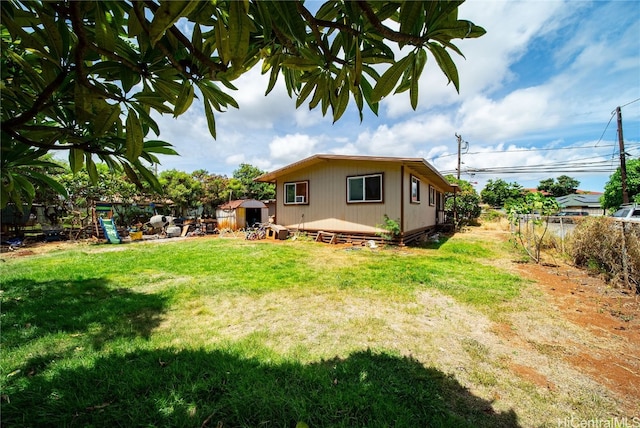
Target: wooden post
pixel 625 261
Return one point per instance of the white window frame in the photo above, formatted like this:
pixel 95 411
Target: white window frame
pixel 363 178
pixel 415 197
pixel 298 199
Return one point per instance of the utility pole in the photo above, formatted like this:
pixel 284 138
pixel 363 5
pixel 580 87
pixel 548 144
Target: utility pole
pixel 623 163
pixel 459 144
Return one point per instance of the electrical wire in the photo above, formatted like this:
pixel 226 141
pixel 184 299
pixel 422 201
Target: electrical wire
pixel 577 165
pixel 605 129
pixel 542 149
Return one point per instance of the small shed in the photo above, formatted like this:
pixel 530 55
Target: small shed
pixel 241 213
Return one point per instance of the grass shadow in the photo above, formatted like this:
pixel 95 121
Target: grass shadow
pixel 91 307
pixel 434 244
pixel 194 388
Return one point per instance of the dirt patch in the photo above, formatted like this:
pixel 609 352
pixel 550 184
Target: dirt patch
pixel 609 349
pixel 585 322
pixel 532 375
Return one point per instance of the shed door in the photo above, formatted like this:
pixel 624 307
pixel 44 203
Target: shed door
pixel 254 215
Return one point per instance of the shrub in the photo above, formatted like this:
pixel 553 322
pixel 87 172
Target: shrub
pixel 599 244
pixel 391 228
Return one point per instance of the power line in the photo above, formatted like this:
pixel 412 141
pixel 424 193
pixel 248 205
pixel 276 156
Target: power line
pixel 605 129
pixel 528 150
pixel 587 164
pixel 630 102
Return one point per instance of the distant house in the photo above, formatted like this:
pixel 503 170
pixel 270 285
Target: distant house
pixel 348 196
pixel 588 202
pixel 241 213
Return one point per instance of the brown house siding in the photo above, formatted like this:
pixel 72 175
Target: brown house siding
pixel 328 210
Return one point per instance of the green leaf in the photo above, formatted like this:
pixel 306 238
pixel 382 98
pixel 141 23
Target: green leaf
pixel 104 120
pixel 50 182
pixel 440 12
pixel 34 76
pixel 53 36
pixel 76 159
pixel 159 146
pixel 216 96
pixel 167 89
pixel 82 102
pixel 25 186
pixel 185 98
pixel 131 174
pixel 413 91
pixel 390 78
pixel 222 39
pixel 357 66
pixel 418 65
pixel 367 89
pixel 342 101
pixel 211 120
pixel 420 61
pixel 127 77
pixel 148 176
pixel 153 100
pixel 92 170
pixel 145 118
pixel 134 136
pixel 411 13
pixel 289 15
pixel 239 30
pixel 168 14
pixel 323 87
pixel 105 36
pixel 134 28
pixel 273 78
pixel 445 63
pixel 197 39
pixel 306 90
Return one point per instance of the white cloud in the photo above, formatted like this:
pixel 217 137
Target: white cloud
pixel 522 111
pixel 291 147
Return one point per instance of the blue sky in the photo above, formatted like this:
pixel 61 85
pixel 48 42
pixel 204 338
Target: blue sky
pixel 537 100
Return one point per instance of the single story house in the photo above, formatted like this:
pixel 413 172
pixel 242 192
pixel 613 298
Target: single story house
pixel 588 202
pixel 349 196
pixel 241 213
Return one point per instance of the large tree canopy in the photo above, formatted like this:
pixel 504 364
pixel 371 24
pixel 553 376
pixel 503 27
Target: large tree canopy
pixel 612 198
pixel 562 186
pixel 497 192
pixel 85 76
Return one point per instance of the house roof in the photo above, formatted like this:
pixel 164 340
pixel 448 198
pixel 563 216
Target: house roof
pixel 582 200
pixel 419 165
pixel 244 203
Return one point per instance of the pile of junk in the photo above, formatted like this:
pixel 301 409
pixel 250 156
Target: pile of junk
pixel 165 226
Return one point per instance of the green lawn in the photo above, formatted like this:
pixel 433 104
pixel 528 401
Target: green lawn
pixel 226 332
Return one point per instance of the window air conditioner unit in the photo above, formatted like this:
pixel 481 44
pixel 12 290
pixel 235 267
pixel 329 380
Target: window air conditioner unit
pixel 299 199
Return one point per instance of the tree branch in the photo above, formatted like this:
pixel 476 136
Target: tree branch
pixel 385 31
pixel 80 54
pixel 314 28
pixel 31 113
pixel 46 146
pixel 200 56
pixel 312 20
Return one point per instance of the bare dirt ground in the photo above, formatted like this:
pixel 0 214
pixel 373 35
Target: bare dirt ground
pixel 585 323
pixel 572 340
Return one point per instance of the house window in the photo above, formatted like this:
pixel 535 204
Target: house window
pixel 432 195
pixel 364 188
pixel 415 190
pixel 296 193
